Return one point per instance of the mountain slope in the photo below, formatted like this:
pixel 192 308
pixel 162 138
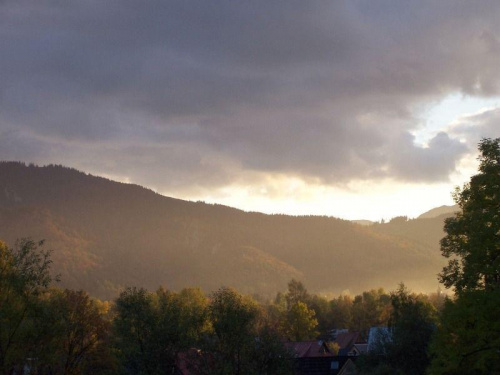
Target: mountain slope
pixel 439 211
pixel 106 235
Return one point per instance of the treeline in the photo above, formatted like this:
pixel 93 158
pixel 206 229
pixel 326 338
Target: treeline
pixel 47 330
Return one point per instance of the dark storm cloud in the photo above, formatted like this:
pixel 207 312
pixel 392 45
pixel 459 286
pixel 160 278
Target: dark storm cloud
pixel 194 92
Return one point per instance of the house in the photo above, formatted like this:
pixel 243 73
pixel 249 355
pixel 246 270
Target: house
pixel 317 358
pixel 361 348
pixel 349 343
pixel 308 349
pixel 349 368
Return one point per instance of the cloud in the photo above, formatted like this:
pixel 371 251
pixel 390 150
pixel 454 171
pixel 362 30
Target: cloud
pixel 426 164
pixel 185 93
pixel 474 127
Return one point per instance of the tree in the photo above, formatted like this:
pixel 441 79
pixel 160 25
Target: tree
pixel 194 320
pixel 69 335
pixel 297 292
pixel 133 329
pixel 243 340
pixel 300 323
pixel 412 323
pixel 473 235
pixel 341 308
pixel 322 312
pixel 234 320
pixel 468 340
pixel 181 321
pixel 370 309
pixel 404 348
pixel 24 277
pixel 152 328
pixel 270 356
pixel 81 326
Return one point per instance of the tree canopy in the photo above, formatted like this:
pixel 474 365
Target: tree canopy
pixel 472 238
pixel 468 340
pixel 24 276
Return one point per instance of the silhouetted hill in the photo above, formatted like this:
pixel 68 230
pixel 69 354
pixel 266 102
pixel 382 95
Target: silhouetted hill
pixel 439 211
pixel 106 235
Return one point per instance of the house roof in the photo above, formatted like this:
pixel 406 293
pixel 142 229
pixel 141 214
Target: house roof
pixel 347 339
pixel 349 368
pixel 308 349
pixel 362 348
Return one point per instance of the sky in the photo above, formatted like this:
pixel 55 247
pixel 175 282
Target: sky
pixel 354 109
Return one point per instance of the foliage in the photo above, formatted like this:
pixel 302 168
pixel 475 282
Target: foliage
pixel 300 323
pixel 468 341
pixel 244 341
pixel 322 312
pixel 412 323
pixel 297 292
pixel 47 330
pixel 473 234
pixel 152 328
pixel 404 350
pixel 370 309
pixel 67 332
pixel 341 311
pixel 194 318
pixel 270 356
pixel 71 334
pixel 133 329
pixel 234 319
pixel 24 277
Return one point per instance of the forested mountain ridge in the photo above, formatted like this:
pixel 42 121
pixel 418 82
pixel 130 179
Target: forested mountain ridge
pixel 106 235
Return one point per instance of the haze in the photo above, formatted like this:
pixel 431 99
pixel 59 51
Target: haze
pixel 359 109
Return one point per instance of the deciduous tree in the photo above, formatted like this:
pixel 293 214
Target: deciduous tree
pixel 300 322
pixel 234 319
pixel 472 238
pixel 24 277
pixel 412 323
pixel 468 340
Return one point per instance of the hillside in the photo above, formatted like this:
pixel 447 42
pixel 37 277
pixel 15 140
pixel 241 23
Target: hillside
pixel 422 232
pixel 106 235
pixel 439 211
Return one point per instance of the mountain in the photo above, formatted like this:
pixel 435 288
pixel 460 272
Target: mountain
pixel 439 211
pixel 106 235
pixel 420 232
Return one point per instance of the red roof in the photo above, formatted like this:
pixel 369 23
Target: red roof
pixel 308 349
pixel 347 339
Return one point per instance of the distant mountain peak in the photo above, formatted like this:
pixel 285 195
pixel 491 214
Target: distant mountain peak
pixel 438 211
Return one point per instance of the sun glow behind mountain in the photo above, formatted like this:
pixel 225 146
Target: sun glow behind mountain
pixel 359 110
pixel 362 199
